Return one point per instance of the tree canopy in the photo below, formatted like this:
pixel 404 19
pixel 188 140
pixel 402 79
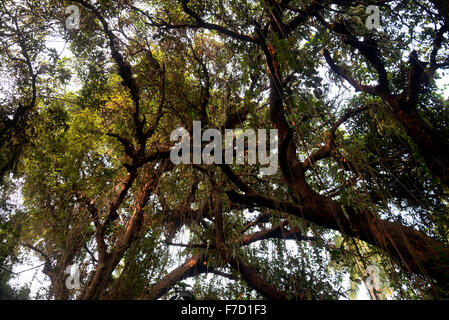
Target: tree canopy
pixel 362 117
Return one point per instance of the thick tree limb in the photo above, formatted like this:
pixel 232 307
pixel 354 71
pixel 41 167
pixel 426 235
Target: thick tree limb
pixel 345 75
pixel 248 273
pixel 108 263
pixel 206 25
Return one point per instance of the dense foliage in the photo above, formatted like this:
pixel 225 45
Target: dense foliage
pixel 86 176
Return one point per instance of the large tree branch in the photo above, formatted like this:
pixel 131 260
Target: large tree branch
pixel 248 273
pixel 417 252
pixel 125 72
pixel 443 8
pixel 368 48
pixel 325 151
pixel 198 263
pixel 106 266
pixel 433 63
pixel 195 265
pixel 345 75
pixel 433 149
pixel 206 25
